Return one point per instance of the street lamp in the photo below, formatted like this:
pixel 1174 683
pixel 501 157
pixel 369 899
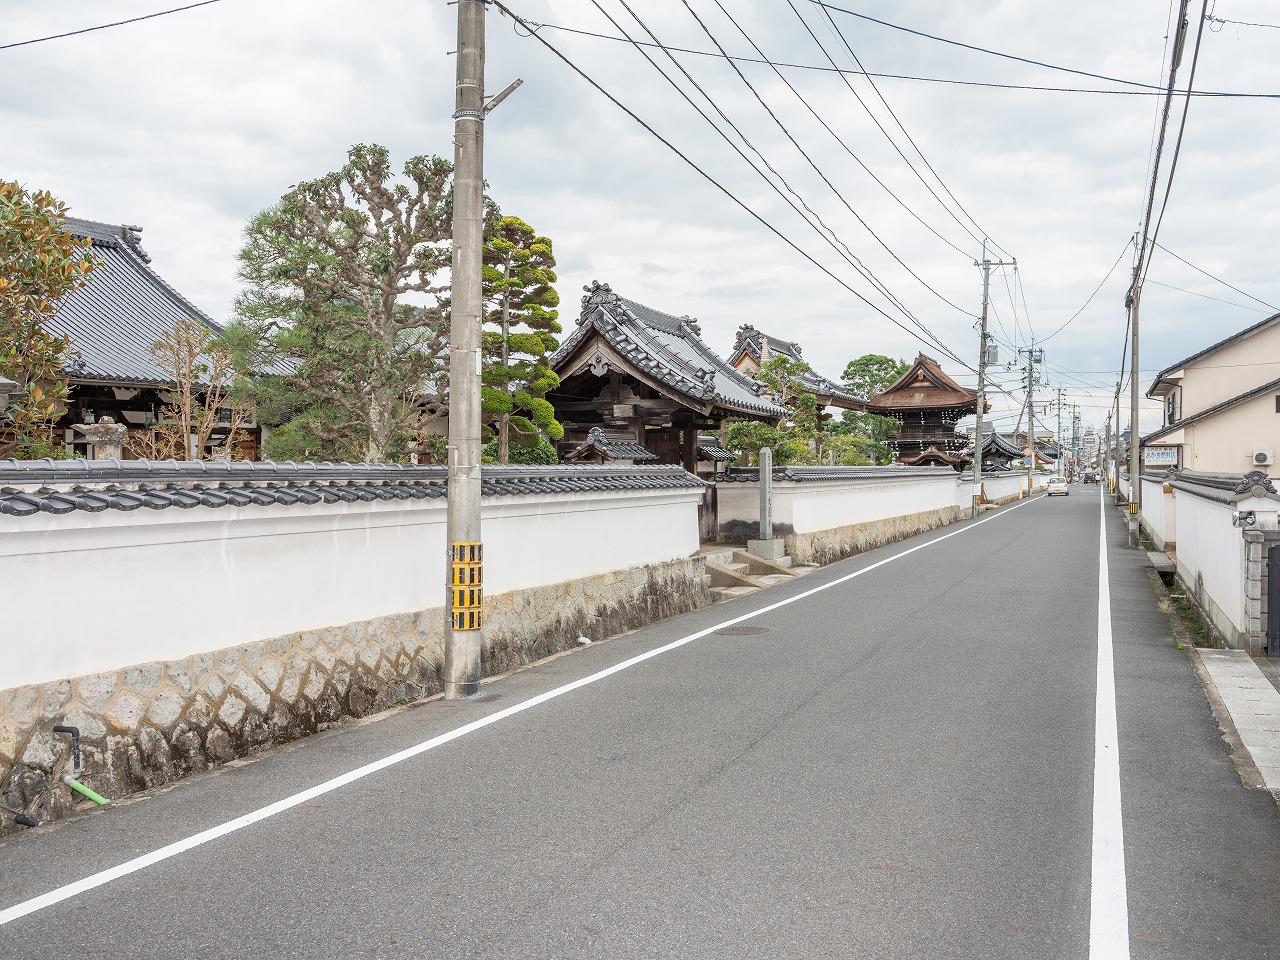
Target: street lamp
pixel 8 391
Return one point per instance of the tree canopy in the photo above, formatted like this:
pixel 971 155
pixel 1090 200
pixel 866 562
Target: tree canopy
pixel 343 317
pixel 40 263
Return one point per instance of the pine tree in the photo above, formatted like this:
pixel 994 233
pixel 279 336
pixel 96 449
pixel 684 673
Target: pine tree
pixel 520 333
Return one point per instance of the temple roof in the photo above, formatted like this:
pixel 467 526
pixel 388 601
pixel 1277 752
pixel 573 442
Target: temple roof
pixel 932 455
pixel 663 350
pixel 997 444
pixel 709 449
pixel 599 443
pixel 123 308
pixel 924 386
pixel 750 343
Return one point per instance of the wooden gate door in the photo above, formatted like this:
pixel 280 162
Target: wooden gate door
pixel 708 518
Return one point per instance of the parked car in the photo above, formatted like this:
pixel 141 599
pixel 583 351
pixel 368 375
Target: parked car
pixel 1058 485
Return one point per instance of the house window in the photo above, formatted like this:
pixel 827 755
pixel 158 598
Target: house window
pixel 1171 408
pixel 1278 404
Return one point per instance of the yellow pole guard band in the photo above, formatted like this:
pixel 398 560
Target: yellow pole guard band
pixel 467 585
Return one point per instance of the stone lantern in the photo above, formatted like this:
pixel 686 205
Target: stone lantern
pixel 106 437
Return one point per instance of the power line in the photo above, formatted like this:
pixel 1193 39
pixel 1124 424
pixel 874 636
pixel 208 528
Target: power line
pixel 993 53
pixel 876 120
pixel 817 223
pixel 1270 306
pixel 802 151
pixel 817 68
pixel 1092 295
pixel 715 183
pixel 844 40
pixel 1230 303
pixel 1243 23
pixel 106 26
pixel 1182 127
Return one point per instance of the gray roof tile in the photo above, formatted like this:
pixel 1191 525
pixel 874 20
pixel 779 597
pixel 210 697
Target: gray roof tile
pixel 61 486
pixel 123 308
pixel 667 348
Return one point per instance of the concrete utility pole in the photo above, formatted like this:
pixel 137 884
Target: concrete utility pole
pixel 1034 355
pixel 1058 436
pixel 1135 442
pixel 465 589
pixel 1105 462
pixel 978 438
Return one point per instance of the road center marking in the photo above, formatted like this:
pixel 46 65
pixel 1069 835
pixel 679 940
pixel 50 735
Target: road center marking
pixel 1109 899
pixel 103 877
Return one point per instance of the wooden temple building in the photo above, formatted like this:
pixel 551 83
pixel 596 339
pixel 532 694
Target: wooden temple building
pixel 635 377
pixel 754 348
pixel 123 308
pixel 928 404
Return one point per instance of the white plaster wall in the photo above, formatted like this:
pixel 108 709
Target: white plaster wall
pixel 824 505
pixel 1211 553
pixel 1159 513
pixel 86 592
pixel 997 488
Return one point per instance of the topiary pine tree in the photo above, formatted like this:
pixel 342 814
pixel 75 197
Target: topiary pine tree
pixel 520 332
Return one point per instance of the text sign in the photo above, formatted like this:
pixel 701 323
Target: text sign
pixel 1160 456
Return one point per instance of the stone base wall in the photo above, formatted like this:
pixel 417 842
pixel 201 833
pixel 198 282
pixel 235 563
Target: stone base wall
pixel 828 546
pixel 150 724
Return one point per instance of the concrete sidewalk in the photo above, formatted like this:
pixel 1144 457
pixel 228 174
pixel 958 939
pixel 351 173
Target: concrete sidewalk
pixel 1252 707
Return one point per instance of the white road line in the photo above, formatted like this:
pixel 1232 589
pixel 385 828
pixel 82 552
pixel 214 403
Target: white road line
pixel 231 826
pixel 1109 899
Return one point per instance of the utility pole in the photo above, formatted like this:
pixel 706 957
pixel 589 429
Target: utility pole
pixel 1034 355
pixel 1105 462
pixel 1075 437
pixel 462 637
pixel 983 352
pixel 1058 436
pixel 1135 440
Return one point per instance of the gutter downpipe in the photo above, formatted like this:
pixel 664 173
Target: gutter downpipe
pixel 73 780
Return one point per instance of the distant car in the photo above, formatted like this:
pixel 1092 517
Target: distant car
pixel 1091 476
pixel 1058 485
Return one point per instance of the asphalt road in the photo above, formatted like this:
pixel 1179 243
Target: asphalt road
pixel 900 765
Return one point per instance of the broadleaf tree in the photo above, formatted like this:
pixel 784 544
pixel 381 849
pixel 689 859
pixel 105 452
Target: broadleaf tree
pixel 520 334
pixel 40 263
pixel 344 318
pixel 867 377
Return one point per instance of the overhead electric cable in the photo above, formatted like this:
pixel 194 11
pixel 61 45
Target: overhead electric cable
pixel 1158 92
pixel 805 23
pixel 1230 303
pixel 830 236
pixel 715 183
pixel 1182 127
pixel 914 146
pixel 1123 250
pixel 105 26
pixel 1271 306
pixel 804 153
pixel 976 49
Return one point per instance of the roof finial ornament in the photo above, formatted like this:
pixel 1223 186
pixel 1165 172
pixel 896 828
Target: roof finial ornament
pixel 598 295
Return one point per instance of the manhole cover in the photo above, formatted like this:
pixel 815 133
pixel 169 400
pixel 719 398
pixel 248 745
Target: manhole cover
pixel 741 631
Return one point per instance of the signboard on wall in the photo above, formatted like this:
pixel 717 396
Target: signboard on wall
pixel 1160 456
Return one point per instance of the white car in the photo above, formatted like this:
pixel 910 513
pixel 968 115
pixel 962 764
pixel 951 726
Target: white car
pixel 1057 485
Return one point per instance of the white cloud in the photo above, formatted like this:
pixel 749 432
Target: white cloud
pixel 189 124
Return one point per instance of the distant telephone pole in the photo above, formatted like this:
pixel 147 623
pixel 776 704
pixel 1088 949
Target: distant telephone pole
pixel 983 353
pixel 1034 355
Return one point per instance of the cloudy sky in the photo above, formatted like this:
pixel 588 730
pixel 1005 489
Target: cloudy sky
pixel 190 123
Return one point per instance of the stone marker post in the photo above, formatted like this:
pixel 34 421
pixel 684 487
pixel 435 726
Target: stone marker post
pixel 767 548
pixel 766 493
pixel 106 437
